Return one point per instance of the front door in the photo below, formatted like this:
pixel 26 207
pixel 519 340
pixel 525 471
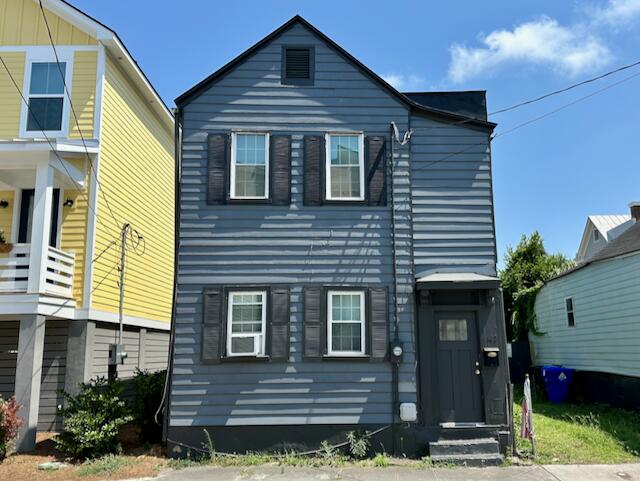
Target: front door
pixel 458 367
pixel 26 217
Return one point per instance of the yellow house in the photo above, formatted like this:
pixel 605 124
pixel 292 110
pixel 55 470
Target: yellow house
pixel 86 147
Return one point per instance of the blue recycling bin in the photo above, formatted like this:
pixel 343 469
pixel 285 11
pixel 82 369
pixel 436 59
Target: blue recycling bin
pixel 557 380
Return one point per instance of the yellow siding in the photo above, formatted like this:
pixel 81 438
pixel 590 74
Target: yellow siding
pixel 10 101
pixel 73 237
pixel 137 175
pixel 21 23
pixel 6 215
pixel 83 93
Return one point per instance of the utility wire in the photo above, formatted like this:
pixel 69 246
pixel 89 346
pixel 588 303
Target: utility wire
pixel 565 89
pixel 536 99
pixel 48 140
pixel 528 122
pixel 73 111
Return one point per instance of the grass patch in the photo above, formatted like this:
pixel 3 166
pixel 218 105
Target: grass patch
pixel 581 433
pixel 106 465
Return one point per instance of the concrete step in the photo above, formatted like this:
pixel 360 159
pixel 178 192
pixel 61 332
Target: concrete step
pixel 445 447
pixel 470 460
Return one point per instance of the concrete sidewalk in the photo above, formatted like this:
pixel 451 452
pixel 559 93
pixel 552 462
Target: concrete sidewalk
pixel 617 472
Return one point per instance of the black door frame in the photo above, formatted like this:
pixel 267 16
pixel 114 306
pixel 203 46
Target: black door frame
pixel 23 225
pixel 427 371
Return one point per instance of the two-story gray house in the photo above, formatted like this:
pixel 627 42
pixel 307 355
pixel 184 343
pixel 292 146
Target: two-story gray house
pixel 333 274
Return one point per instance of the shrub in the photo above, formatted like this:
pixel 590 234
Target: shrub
pixel 148 389
pixel 92 419
pixel 10 422
pixel 358 443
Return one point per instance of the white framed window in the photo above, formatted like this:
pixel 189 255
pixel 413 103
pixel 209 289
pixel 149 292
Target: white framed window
pixel 568 304
pixel 344 167
pixel 246 323
pixel 249 165
pixel 596 235
pixel 44 89
pixel 346 323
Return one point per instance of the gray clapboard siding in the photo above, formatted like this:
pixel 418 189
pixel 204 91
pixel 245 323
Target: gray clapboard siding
pixel 106 334
pixel 156 350
pixel 293 245
pixel 606 303
pixel 54 361
pixel 9 331
pixel 452 200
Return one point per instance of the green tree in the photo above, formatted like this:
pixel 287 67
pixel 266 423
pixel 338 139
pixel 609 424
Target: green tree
pixel 527 268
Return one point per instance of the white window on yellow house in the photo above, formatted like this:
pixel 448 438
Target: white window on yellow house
pixel 44 91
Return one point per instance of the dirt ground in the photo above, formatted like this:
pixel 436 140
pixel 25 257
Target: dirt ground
pixel 24 467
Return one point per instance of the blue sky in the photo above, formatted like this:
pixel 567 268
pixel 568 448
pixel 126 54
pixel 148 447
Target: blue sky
pixel 548 176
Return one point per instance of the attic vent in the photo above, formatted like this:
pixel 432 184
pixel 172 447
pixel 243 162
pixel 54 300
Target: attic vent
pixel 297 65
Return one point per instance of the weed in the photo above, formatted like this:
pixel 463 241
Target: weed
pixel 358 443
pixel 107 465
pixel 381 460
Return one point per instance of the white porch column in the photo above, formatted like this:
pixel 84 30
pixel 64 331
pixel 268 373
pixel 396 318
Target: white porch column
pixel 40 227
pixel 28 376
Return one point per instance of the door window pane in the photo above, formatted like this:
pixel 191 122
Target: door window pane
pixel 453 329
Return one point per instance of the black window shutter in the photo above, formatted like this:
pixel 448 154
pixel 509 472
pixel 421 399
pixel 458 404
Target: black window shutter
pixel 217 168
pixel 314 323
pixel 212 326
pixel 279 332
pixel 376 170
pixel 313 167
pixel 280 170
pixel 378 328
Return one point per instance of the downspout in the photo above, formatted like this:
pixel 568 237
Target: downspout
pixel 395 365
pixel 166 397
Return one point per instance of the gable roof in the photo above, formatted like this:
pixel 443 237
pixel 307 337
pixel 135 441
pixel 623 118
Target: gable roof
pixel 441 114
pixel 626 243
pixel 109 38
pixel 609 227
pixel 607 224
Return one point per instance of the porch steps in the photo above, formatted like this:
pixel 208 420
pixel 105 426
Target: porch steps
pixel 466 452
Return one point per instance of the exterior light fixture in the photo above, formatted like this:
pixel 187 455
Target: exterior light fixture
pixel 396 352
pixel 4 204
pixel 68 202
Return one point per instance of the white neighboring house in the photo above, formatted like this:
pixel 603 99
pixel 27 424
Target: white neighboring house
pixel 600 230
pixel 590 315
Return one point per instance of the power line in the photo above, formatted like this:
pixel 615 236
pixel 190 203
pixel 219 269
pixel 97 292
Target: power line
pixel 565 89
pixel 528 122
pixel 48 140
pixel 536 99
pixel 73 111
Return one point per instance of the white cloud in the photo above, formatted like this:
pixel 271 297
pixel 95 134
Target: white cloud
pixel 567 50
pixel 404 82
pixel 616 13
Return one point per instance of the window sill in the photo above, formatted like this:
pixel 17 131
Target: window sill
pixel 244 359
pixel 337 357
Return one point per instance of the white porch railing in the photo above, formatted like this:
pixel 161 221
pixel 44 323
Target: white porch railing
pixel 14 271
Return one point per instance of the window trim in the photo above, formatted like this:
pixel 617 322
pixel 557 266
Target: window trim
pixel 39 56
pixel 361 166
pixel 363 323
pixel 284 80
pixel 232 169
pixel 229 334
pixel 572 311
